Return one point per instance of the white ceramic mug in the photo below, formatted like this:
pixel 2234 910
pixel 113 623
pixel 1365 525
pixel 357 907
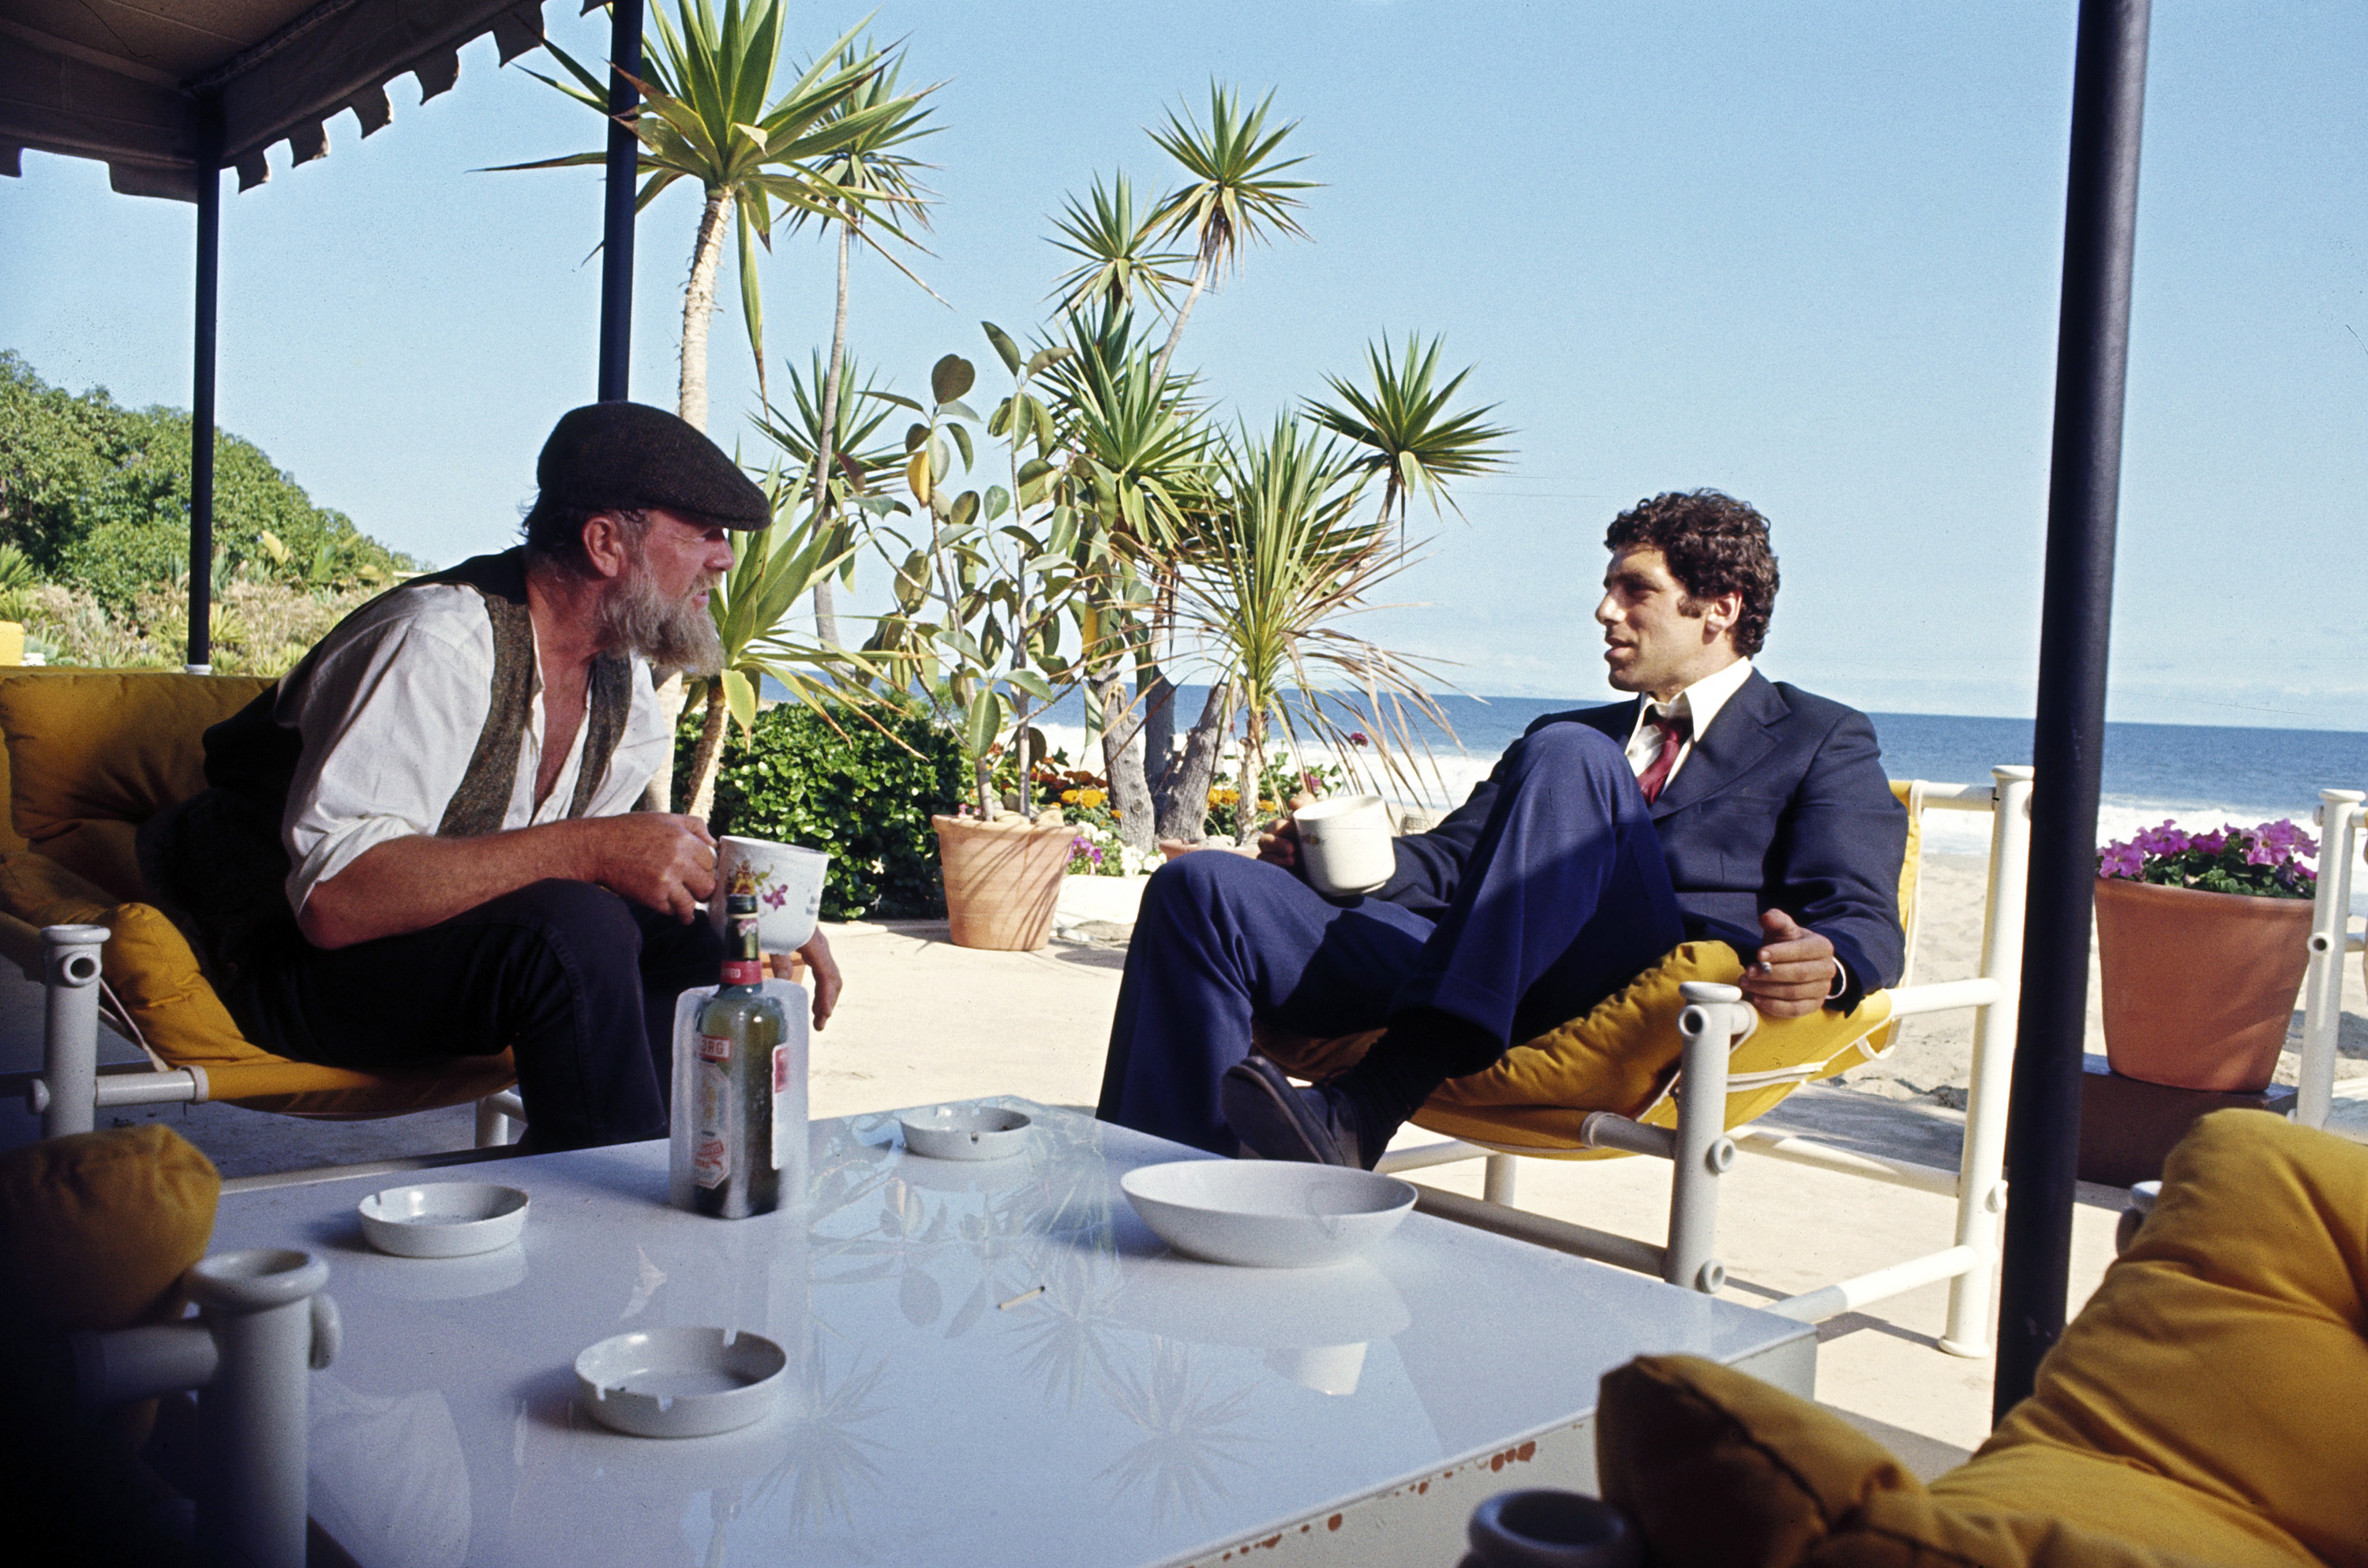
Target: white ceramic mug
pixel 787 881
pixel 1344 843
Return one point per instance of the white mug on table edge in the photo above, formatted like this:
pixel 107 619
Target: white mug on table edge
pixel 1344 843
pixel 787 881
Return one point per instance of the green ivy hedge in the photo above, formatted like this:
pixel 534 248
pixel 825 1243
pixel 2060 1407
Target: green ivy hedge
pixel 852 791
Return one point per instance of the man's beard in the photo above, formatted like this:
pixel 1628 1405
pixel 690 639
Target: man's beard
pixel 671 633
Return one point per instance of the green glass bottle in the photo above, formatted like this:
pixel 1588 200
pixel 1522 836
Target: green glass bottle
pixel 734 1164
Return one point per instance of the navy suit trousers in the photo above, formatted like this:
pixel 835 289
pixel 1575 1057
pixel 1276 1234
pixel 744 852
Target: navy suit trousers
pixel 1564 899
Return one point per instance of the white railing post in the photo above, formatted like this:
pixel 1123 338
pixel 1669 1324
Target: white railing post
pixel 1714 1017
pixel 2322 986
pixel 272 1326
pixel 67 1092
pixel 1981 1166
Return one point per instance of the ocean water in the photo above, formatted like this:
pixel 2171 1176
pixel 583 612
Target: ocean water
pixel 2198 775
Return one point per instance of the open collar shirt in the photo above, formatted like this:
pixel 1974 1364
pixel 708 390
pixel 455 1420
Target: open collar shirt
pixel 390 708
pixel 1698 705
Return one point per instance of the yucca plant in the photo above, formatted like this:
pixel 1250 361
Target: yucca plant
pixel 1233 192
pixel 1410 436
pixel 894 204
pixel 709 114
pixel 1118 255
pixel 1282 555
pixel 776 567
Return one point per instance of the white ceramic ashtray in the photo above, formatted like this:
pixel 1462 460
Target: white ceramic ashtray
pixel 965 1131
pixel 679 1382
pixel 1266 1213
pixel 448 1219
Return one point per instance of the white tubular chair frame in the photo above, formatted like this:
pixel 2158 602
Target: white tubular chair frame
pixel 2340 818
pixel 1702 1150
pixel 70 1090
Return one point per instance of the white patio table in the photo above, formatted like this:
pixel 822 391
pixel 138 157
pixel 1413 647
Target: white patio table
pixel 990 1363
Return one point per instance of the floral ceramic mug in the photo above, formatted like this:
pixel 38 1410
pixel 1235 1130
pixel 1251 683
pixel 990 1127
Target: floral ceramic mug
pixel 787 881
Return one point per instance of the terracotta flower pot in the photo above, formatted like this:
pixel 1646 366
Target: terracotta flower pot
pixel 1003 879
pixel 2199 987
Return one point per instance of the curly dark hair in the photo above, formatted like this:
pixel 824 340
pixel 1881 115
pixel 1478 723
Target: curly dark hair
pixel 1714 544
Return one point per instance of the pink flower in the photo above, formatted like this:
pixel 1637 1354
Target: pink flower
pixel 777 897
pixel 2122 860
pixel 1356 738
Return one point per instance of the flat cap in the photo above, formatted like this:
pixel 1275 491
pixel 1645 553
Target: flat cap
pixel 630 455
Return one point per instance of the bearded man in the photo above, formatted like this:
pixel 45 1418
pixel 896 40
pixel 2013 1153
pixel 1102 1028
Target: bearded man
pixel 421 843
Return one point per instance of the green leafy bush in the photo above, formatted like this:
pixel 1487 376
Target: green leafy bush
pixel 857 795
pixel 98 498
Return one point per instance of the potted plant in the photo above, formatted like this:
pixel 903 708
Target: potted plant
pixel 982 593
pixel 2202 939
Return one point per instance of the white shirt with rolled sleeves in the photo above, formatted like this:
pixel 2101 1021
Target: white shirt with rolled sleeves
pixel 389 710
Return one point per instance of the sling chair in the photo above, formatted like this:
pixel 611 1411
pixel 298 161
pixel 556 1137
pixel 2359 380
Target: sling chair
pixel 91 755
pixel 1678 1065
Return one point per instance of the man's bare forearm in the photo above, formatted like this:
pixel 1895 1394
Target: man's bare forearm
pixel 409 884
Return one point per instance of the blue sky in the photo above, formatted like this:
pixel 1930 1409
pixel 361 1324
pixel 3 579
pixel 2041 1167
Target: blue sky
pixel 1808 254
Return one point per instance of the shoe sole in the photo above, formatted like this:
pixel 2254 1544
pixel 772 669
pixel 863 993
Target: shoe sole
pixel 1274 1092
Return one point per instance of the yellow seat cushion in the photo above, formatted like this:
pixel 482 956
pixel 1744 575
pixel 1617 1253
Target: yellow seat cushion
pixel 117 745
pixel 148 965
pixel 1722 1471
pixel 97 1229
pixel 2224 1353
pixel 1622 1056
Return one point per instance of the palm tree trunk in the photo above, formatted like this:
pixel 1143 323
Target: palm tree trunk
pixel 703 761
pixel 1192 298
pixel 1122 761
pixel 1183 795
pixel 698 305
pixel 1246 808
pixel 825 605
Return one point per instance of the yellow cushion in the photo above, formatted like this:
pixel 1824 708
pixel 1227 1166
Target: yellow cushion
pixel 110 746
pixel 1721 1471
pixel 1621 1057
pixel 96 1230
pixel 2223 1353
pixel 1719 1468
pixel 148 964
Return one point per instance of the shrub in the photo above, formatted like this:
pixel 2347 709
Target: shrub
pixel 857 795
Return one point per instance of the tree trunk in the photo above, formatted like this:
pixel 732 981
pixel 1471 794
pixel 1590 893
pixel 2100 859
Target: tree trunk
pixel 1184 793
pixel 1192 298
pixel 1158 722
pixel 825 603
pixel 711 744
pixel 698 304
pixel 1123 763
pixel 1245 809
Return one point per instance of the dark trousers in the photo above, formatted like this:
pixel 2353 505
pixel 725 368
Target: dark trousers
pixel 578 982
pixel 1565 899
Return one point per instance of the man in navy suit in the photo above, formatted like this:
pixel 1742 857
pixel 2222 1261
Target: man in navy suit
pixel 1717 804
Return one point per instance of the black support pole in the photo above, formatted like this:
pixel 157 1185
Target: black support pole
pixel 2067 743
pixel 201 389
pixel 617 231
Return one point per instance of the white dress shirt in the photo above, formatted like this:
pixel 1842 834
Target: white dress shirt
pixel 390 707
pixel 1698 704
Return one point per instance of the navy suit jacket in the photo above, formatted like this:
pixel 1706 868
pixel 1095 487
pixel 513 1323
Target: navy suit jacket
pixel 1782 804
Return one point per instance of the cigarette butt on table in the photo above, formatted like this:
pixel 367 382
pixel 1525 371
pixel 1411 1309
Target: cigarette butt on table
pixel 1024 1295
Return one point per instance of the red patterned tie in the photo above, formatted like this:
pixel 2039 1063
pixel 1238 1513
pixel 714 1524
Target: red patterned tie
pixel 1674 729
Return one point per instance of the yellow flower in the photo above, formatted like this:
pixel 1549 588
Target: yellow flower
pixel 1223 797
pixel 1068 797
pixel 1090 797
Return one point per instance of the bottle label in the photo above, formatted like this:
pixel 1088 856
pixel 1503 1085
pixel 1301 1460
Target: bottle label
pixel 781 1068
pixel 743 972
pixel 711 1147
pixel 715 1048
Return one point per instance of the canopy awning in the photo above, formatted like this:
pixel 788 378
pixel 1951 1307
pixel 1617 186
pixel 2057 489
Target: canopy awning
pixel 131 82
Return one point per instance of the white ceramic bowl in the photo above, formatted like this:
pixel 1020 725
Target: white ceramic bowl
pixel 449 1219
pixel 1266 1213
pixel 679 1382
pixel 965 1132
